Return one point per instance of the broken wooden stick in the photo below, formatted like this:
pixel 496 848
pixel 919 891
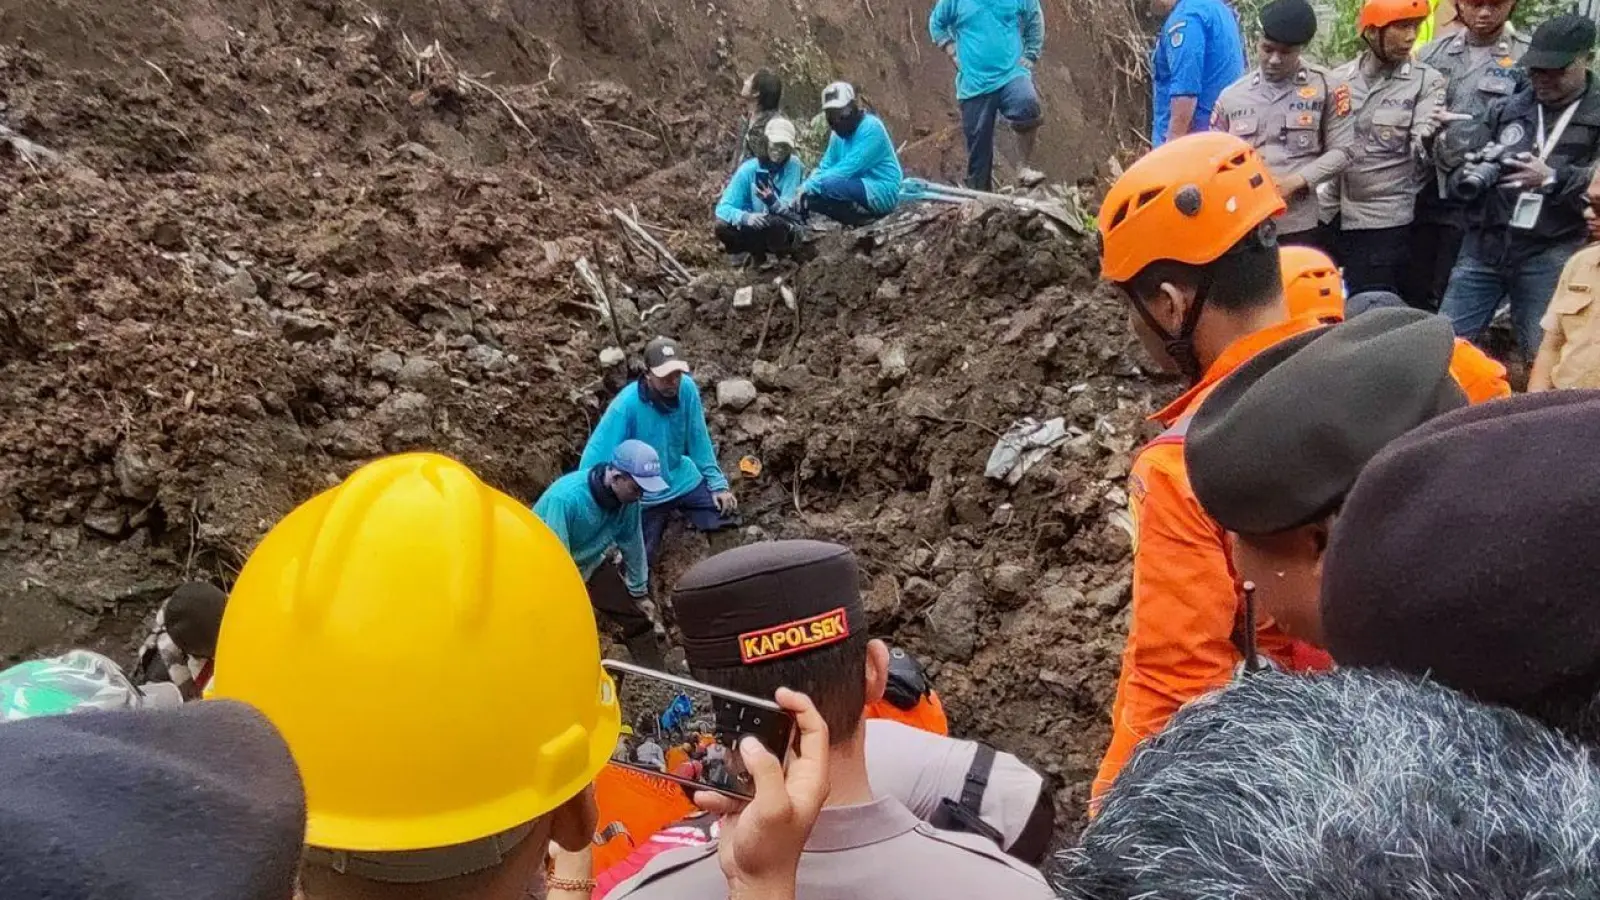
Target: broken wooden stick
pixel 602 303
pixel 669 264
pixel 473 82
pixel 766 322
pixel 30 152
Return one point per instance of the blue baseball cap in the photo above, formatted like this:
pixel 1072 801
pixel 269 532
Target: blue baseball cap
pixel 640 461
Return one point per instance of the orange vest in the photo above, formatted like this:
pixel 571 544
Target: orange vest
pixel 927 715
pixel 633 806
pixel 1186 594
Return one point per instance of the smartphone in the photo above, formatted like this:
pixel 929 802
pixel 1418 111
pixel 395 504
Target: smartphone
pixel 688 732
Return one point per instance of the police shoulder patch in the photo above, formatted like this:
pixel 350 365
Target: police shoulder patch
pixel 1512 134
pixel 1341 100
pixel 794 637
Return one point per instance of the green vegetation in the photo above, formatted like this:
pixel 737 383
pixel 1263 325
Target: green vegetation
pixel 1338 41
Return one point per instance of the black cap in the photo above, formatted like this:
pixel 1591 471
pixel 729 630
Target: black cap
pixel 663 357
pixel 1367 301
pixel 1559 42
pixel 1466 552
pixel 200 801
pixel 1289 22
pixel 1280 441
pixel 764 602
pixel 193 618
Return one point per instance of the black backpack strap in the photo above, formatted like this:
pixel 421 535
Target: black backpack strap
pixel 977 778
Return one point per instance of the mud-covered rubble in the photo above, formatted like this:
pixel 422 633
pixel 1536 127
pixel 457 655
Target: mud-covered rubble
pixel 874 421
pixel 242 280
pixel 289 255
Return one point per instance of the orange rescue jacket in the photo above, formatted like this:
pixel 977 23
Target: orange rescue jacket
pixel 1186 595
pixel 1480 376
pixel 633 806
pixel 927 715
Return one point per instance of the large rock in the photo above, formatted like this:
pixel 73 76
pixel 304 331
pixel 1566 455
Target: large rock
pixel 346 440
pixel 386 365
pixel 1010 583
pixel 736 394
pixel 137 471
pixel 406 421
pixel 953 620
pixel 241 286
pixel 422 373
pixel 302 329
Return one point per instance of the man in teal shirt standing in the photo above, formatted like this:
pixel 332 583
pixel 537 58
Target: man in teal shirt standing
pixel 1198 54
pixel 596 509
pixel 663 409
pixel 995 44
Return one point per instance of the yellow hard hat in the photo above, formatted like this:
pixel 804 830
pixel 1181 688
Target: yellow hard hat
pixel 426 646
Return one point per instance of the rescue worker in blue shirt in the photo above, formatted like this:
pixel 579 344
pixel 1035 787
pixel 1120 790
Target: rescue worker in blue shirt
pixel 663 409
pixel 995 44
pixel 1198 53
pixel 756 213
pixel 858 179
pixel 596 509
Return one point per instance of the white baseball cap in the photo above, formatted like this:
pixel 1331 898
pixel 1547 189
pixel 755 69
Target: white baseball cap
pixel 780 131
pixel 838 95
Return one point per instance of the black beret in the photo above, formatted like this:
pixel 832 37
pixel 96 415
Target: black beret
pixel 194 617
pixel 763 602
pixel 199 801
pixel 1465 551
pixel 1289 21
pixel 1280 441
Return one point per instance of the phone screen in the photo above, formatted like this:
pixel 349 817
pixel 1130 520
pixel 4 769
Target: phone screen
pixel 689 732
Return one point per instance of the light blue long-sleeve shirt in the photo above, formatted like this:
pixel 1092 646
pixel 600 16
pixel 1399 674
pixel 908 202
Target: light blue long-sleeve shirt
pixel 992 39
pixel 868 155
pixel 680 437
pixel 1198 54
pixel 588 529
pixel 740 199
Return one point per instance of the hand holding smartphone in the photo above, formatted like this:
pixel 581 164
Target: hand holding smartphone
pixel 689 733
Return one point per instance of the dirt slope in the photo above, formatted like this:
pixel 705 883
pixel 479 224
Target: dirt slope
pixel 289 237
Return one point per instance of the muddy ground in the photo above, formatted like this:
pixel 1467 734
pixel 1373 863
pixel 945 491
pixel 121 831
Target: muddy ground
pixel 309 239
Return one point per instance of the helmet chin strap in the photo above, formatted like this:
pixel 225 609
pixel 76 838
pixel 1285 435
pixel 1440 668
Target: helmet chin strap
pixel 1180 346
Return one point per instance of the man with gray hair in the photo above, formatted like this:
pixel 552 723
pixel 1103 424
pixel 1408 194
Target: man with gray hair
pixel 1348 785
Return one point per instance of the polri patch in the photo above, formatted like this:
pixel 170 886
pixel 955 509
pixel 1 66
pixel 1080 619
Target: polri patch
pixel 794 637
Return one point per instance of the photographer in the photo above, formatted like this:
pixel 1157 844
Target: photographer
pixel 1525 187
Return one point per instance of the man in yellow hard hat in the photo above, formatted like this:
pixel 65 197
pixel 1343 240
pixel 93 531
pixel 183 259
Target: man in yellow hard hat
pixel 426 647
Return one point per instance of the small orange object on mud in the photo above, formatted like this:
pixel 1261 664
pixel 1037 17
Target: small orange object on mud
pixel 750 466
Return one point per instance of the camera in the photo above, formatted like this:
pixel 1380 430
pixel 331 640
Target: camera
pixel 1481 172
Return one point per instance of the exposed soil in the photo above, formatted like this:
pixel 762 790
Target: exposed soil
pixel 288 238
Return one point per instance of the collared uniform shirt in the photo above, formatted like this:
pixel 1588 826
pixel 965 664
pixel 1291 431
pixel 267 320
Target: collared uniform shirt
pixel 1291 124
pixel 920 769
pixel 878 850
pixel 1390 117
pixel 1575 316
pixel 1475 76
pixel 1198 54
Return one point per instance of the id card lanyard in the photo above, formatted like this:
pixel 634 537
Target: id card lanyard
pixel 1525 214
pixel 1546 144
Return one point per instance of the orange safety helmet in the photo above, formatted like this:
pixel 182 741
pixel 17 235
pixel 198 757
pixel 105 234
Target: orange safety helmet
pixel 1312 285
pixel 1382 13
pixel 1189 201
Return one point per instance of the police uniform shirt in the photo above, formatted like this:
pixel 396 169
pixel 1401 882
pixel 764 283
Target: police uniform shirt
pixel 878 850
pixel 1575 316
pixel 1477 75
pixel 921 768
pixel 1389 110
pixel 1291 124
